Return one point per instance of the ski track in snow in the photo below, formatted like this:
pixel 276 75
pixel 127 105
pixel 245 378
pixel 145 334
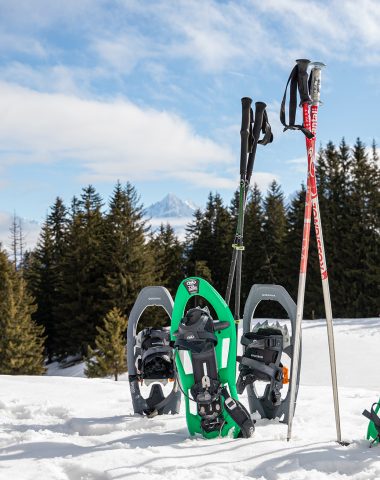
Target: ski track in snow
pixel 73 428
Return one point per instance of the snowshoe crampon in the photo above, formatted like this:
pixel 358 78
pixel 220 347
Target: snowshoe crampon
pixel 265 347
pixel 206 363
pixel 151 358
pixel 373 431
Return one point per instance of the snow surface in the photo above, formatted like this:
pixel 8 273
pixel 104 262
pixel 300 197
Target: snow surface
pixel 73 428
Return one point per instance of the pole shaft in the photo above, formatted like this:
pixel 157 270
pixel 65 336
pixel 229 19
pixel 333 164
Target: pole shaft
pixel 325 281
pixel 302 276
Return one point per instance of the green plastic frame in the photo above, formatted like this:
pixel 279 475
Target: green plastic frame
pixel 372 432
pixel 227 375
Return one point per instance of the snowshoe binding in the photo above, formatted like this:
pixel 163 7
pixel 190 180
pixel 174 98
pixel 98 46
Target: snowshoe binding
pixel 373 431
pixel 262 359
pixel 206 364
pixel 151 358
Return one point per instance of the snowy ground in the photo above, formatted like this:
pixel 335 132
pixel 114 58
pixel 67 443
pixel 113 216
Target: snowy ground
pixel 72 428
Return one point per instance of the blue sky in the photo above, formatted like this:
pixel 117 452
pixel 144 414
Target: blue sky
pixel 95 91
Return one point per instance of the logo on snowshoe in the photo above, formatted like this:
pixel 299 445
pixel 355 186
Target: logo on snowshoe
pixel 192 286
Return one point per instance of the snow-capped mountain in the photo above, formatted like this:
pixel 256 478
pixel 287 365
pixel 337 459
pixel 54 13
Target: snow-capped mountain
pixel 171 207
pixel 173 210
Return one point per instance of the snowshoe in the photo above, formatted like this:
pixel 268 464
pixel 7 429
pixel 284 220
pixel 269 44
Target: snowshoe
pixel 373 431
pixel 151 358
pixel 262 359
pixel 206 364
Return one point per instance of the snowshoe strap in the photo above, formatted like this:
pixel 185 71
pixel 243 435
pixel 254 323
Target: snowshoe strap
pixel 373 417
pixel 263 342
pixel 156 351
pixel 239 414
pixel 272 371
pixel 297 77
pixel 197 343
pixel 196 331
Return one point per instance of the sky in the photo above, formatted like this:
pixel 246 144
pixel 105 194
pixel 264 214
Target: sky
pixel 149 92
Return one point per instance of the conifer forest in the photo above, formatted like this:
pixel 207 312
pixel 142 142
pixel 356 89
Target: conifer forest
pixel 94 256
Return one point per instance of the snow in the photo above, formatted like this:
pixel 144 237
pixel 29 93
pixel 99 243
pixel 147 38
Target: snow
pixel 74 428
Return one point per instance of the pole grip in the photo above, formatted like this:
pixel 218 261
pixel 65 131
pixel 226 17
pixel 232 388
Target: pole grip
pixel 257 126
pixel 315 85
pixel 244 133
pixel 303 86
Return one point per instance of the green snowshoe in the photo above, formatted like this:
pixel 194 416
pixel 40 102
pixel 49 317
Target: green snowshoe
pixel 206 363
pixel 373 432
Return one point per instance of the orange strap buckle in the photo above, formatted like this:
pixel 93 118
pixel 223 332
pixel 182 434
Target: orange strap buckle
pixel 285 375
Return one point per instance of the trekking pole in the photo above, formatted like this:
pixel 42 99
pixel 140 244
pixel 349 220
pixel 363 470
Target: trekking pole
pixel 315 96
pixel 246 117
pixel 311 208
pixel 260 124
pixel 257 127
pixel 299 75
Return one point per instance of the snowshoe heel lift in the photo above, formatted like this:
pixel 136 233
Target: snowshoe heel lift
pixel 263 347
pixel 198 341
pixel 151 357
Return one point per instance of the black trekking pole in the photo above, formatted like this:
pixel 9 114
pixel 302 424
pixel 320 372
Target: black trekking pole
pixel 260 124
pixel 260 116
pixel 246 120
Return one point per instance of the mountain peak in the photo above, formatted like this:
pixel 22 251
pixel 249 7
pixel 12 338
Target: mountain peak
pixel 171 207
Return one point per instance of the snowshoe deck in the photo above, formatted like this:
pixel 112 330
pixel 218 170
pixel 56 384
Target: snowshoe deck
pixel 206 363
pixel 263 345
pixel 150 357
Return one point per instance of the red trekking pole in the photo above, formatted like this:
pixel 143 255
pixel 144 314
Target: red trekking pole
pixel 309 128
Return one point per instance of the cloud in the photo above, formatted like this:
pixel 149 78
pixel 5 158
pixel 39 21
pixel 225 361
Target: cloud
pixel 109 139
pixel 124 51
pixel 298 165
pixel 263 179
pixel 216 36
pixel 219 36
pixel 339 30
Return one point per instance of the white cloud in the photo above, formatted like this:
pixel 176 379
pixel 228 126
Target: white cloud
pixel 263 179
pixel 124 51
pixel 21 44
pixel 217 35
pixel 111 140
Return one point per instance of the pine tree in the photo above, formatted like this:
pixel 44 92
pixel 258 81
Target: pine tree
pixel 109 355
pixel 293 241
pixel 274 229
pixel 364 273
pixel 254 255
pixel 208 242
pixel 21 340
pixel 220 251
pixel 42 271
pixel 168 254
pixel 81 306
pixel 128 260
pixel 39 274
pixel 193 232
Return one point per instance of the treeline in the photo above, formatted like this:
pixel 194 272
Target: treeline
pixel 349 194
pixel 92 257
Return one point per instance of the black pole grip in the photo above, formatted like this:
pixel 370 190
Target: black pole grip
pixel 257 126
pixel 303 84
pixel 244 133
